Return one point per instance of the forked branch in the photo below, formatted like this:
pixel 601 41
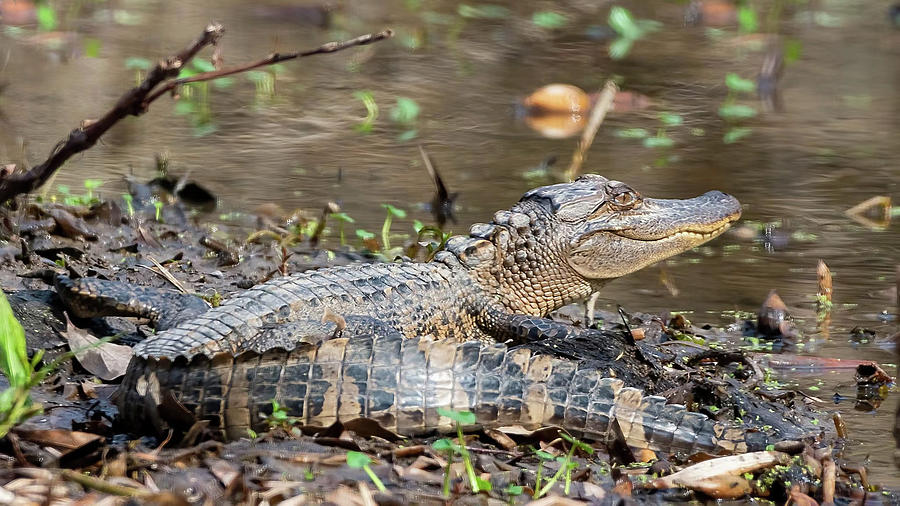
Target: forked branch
pixel 160 80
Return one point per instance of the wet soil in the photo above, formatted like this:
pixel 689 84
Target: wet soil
pixel 78 430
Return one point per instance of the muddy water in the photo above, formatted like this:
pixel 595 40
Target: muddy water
pixel 831 144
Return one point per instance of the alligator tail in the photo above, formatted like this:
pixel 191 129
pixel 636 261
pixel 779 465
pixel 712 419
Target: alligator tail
pixel 402 382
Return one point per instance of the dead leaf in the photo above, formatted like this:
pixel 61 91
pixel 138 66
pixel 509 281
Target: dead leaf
pixel 107 361
pixel 225 471
pixel 367 427
pixel 501 439
pixel 699 474
pixel 418 475
pixel 409 451
pixel 722 486
pixel 60 439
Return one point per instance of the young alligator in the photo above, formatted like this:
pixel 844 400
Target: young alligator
pixel 420 336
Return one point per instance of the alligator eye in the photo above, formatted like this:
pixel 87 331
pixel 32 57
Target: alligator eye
pixel 625 198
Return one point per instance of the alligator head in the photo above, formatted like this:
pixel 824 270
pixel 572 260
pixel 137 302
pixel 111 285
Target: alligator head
pixel 562 242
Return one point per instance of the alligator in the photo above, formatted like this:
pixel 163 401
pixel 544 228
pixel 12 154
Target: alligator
pixel 395 342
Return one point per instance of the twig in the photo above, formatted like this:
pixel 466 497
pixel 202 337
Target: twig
pixel 137 100
pixel 162 271
pixel 330 47
pixel 102 485
pixel 598 113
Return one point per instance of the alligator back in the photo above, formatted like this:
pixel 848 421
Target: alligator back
pixel 411 298
pixel 401 383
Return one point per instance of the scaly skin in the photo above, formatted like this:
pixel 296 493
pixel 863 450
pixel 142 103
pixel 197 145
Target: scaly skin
pixel 401 382
pixel 559 244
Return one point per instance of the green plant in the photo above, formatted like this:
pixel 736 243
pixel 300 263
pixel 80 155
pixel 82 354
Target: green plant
pixel 368 100
pixel 16 404
pixel 733 112
pixel 158 205
pixel 129 200
pixel 406 112
pixel 567 465
pixel 448 448
pixel 279 418
pixel 46 17
pixel 431 236
pixel 661 139
pixel 341 219
pixel 544 457
pixel 367 238
pixel 629 30
pixel 461 418
pixel 549 20
pixel 392 212
pixel 85 199
pixel 359 460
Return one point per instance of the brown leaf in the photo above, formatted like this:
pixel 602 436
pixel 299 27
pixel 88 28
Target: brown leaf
pixel 501 439
pixel 409 451
pixel 367 427
pixel 225 471
pixel 107 361
pixel 418 475
pixel 721 486
pixel 60 439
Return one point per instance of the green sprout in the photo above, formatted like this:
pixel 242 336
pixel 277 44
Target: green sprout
pixel 129 204
pixel 432 237
pixel 368 100
pixel 567 465
pixel 365 236
pixel 514 490
pixel 386 226
pixel 158 205
pixel 359 460
pixel 46 17
pixel 280 418
pixel 733 112
pixel 86 199
pixel 544 457
pixel 629 30
pixel 549 20
pixel 91 185
pixel 448 448
pixel 341 219
pixel 747 19
pixel 465 418
pixel 406 112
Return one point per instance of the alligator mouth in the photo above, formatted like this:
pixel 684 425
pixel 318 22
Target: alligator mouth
pixel 690 234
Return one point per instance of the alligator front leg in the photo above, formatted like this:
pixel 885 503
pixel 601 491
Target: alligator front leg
pixel 92 297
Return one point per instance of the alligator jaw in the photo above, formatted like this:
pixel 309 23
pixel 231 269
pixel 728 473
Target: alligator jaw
pixel 617 243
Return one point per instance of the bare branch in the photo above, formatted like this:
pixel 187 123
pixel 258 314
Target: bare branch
pixel 136 101
pixel 329 47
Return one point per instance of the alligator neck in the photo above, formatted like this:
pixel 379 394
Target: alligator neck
pixel 518 261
